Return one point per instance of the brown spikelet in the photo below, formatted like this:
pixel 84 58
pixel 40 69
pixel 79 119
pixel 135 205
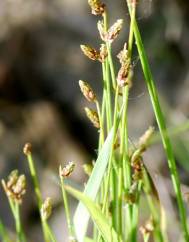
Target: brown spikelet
pixel 27 149
pixel 87 91
pixel 90 52
pixel 113 32
pixel 93 117
pixel 15 187
pixel 97 7
pixel 67 170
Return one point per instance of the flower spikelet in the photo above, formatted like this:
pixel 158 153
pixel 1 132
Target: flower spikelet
pixel 67 170
pixel 90 52
pixel 87 91
pixel 15 187
pixel 93 117
pixel 46 208
pixel 97 7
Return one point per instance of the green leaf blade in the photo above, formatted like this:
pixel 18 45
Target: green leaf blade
pixel 92 188
pixel 97 216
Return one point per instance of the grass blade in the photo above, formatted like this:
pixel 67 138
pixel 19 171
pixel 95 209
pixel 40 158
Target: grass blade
pixel 92 187
pixel 97 216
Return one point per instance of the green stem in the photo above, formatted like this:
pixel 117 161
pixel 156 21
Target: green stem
pixel 16 214
pixel 112 71
pixel 67 209
pixel 124 141
pixel 110 61
pixel 108 97
pixel 107 82
pixel 120 196
pixel 124 149
pixel 162 127
pixel 105 200
pixel 37 191
pixel 18 223
pixel 101 136
pixel 3 233
pixel 49 231
pixel 35 180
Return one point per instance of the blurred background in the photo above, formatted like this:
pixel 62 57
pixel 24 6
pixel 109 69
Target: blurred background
pixel 40 101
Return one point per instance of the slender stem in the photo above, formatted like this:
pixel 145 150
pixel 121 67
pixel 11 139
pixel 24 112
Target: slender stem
pixel 67 209
pixel 49 231
pixel 124 141
pixel 124 147
pixel 35 180
pixel 18 223
pixel 162 127
pixel 108 97
pixel 105 201
pixel 16 214
pixel 101 138
pixel 110 61
pixel 120 196
pixel 112 71
pixel 107 82
pixel 37 191
pixel 3 233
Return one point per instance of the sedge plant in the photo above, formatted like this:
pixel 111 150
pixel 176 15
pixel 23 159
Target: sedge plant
pixel 118 179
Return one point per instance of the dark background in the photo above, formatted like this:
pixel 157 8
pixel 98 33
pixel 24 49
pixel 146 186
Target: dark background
pixel 40 101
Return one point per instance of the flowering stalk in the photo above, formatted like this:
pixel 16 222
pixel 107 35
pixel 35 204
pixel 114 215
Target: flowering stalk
pixel 15 188
pixel 46 210
pixel 63 174
pixel 28 152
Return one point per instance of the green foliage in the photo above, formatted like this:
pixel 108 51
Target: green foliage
pixel 97 216
pixel 119 178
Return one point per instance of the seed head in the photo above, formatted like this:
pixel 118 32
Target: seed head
pixel 67 170
pixel 97 8
pixel 114 30
pixel 103 53
pixel 123 74
pixel 123 55
pixel 90 52
pixel 110 35
pixel 46 208
pixel 101 29
pixel 27 149
pixel 15 187
pixel 123 77
pixel 93 117
pixel 87 91
pixel 145 138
